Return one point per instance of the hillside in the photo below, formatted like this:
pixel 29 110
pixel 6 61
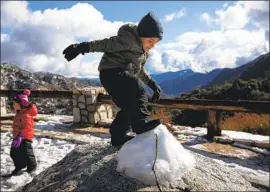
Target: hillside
pixel 248 82
pixel 253 89
pixel 13 77
pixel 257 69
pixel 252 70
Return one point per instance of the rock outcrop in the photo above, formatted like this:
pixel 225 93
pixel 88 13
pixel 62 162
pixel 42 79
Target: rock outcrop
pixel 93 168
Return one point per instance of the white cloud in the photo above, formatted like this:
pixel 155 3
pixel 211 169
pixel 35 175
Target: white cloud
pixel 14 12
pixel 258 12
pixel 235 44
pixel 176 15
pixel 230 46
pixel 225 5
pixel 234 17
pixel 158 63
pixel 207 18
pixel 239 15
pixel 4 37
pixel 39 37
pixel 206 51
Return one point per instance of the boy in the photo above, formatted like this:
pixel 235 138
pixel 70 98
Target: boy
pixel 122 74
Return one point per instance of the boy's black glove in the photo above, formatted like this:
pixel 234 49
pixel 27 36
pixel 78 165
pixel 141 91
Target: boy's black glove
pixel 72 51
pixel 154 86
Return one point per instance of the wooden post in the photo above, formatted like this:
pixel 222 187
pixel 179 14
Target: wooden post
pixel 219 117
pixel 214 124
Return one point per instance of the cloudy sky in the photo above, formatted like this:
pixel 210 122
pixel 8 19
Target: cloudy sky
pixel 197 35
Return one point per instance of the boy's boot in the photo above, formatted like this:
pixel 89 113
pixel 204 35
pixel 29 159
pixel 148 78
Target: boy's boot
pixel 120 141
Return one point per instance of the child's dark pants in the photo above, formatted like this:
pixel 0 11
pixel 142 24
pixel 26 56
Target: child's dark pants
pixel 129 94
pixel 23 156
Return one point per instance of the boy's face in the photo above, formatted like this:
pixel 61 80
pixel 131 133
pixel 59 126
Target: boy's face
pixel 16 106
pixel 149 42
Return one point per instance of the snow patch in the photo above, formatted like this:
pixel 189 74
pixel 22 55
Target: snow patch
pixel 47 152
pixel 238 135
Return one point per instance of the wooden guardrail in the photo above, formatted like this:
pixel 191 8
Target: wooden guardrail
pixel 201 104
pixel 214 107
pixel 38 93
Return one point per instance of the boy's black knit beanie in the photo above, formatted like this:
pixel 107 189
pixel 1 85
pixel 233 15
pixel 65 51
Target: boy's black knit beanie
pixel 150 26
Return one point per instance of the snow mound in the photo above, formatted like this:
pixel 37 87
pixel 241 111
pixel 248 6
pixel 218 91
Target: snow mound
pixel 137 156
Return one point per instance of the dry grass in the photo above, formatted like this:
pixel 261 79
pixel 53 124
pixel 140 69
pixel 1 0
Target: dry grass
pixel 227 150
pixel 252 123
pixel 164 115
pixel 246 122
pixel 219 148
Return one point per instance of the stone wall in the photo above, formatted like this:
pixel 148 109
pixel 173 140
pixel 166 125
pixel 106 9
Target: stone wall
pixel 3 101
pixel 85 108
pixel 87 111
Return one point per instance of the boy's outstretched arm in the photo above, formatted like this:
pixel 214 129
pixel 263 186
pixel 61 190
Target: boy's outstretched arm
pixel 123 41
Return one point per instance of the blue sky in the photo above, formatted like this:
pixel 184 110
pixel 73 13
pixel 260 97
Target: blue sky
pixel 198 35
pixel 134 10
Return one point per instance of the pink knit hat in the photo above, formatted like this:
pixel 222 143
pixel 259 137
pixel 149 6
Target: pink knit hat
pixel 23 98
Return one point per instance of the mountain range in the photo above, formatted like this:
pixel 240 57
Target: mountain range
pixel 171 83
pixel 176 83
pixel 254 69
pixel 247 82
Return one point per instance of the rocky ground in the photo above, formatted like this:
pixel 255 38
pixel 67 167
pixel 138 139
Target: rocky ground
pixel 91 165
pixel 93 168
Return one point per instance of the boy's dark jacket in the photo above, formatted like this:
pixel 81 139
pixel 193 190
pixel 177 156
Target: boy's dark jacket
pixel 124 50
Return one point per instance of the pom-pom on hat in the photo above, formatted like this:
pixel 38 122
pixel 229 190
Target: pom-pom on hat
pixel 23 98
